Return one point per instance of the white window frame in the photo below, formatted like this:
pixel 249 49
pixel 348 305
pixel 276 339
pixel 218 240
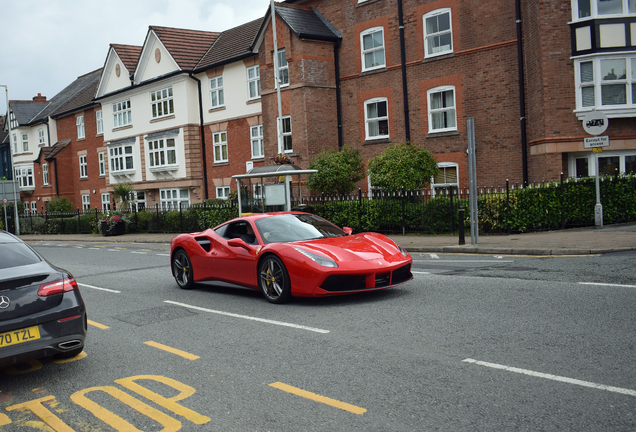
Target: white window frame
pixel 217 94
pixel 253 82
pixel 161 103
pixel 105 202
pixel 438 34
pixel 219 140
pixel 591 160
pixel 15 144
pixel 256 139
pixel 41 139
pixel 83 167
pixel 222 192
pixel 45 174
pixel 442 167
pixel 79 122
pixel 372 50
pixel 24 174
pixel 594 10
pixel 368 121
pixel 598 82
pixel 170 198
pixel 34 207
pixel 99 121
pixel 102 164
pixel 122 114
pixel 138 202
pixel 432 111
pixel 283 70
pixel 86 201
pixel 25 142
pixel 286 135
pixel 122 159
pixel 162 153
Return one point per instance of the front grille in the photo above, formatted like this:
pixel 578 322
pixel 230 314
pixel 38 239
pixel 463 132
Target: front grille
pixel 344 283
pixel 402 274
pixel 382 280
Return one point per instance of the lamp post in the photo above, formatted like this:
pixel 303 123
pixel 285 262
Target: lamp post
pixel 15 198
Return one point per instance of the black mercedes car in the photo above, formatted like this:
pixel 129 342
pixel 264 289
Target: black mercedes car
pixel 42 313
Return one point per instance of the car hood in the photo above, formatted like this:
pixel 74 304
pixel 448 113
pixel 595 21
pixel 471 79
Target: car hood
pixel 359 247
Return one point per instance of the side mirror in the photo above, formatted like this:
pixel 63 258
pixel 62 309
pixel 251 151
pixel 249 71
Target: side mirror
pixel 347 230
pixel 237 242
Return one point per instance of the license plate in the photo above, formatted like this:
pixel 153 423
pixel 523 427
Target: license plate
pixel 19 336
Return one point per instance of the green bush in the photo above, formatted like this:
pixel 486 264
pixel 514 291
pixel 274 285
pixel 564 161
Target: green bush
pixel 61 204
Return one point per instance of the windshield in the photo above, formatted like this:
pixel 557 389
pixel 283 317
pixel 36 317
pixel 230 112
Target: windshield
pixel 296 227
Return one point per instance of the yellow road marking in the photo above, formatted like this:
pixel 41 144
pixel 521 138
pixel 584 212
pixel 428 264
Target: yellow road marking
pixel 315 397
pixel 172 350
pixel 98 325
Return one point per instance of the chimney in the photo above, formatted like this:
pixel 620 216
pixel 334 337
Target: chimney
pixel 39 98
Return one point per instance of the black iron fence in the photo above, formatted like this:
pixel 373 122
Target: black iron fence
pixel 508 209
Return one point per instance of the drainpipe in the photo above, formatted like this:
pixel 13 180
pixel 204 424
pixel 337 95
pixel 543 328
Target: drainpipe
pixel 202 132
pixel 405 89
pixel 336 56
pixel 522 98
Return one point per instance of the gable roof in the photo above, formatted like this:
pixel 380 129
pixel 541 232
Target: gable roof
pixel 50 152
pixel 304 22
pixel 233 44
pixel 185 46
pixel 128 54
pixel 84 96
pixel 24 111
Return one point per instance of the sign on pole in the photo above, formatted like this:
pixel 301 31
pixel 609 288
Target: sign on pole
pixel 596 141
pixel 595 123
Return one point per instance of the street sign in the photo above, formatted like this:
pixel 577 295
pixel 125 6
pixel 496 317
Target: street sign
pixel 595 123
pixel 596 141
pixel 4 200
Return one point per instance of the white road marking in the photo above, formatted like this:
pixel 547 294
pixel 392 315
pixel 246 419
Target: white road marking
pixel 470 261
pixel 98 288
pixel 95 248
pixel 606 284
pixel 141 253
pixel 163 254
pixel 279 323
pixel 416 272
pixel 434 256
pixel 79 247
pixel 113 250
pixel 554 377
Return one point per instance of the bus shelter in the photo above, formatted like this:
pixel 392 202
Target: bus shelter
pixel 273 186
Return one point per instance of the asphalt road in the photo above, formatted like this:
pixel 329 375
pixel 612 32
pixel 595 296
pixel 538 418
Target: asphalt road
pixel 472 343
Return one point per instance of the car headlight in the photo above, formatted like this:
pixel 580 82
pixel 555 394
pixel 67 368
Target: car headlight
pixel 318 259
pixel 402 251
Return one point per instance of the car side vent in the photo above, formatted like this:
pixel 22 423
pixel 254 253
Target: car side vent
pixel 204 242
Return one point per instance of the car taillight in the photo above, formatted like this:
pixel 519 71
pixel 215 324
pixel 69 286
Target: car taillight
pixel 57 287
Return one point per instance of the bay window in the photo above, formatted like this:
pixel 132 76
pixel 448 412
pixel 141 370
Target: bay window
pixel 162 152
pixel 121 159
pixel 172 198
pixel 607 83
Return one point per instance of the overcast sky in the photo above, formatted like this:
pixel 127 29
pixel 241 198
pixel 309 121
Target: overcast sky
pixel 46 44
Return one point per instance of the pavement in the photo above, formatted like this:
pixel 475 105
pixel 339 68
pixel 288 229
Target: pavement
pixel 577 241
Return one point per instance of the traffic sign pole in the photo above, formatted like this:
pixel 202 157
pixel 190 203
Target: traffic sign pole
pixel 595 123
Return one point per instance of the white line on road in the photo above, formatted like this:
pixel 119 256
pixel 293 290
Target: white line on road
pixel 469 261
pixel 280 323
pixel 98 288
pixel 416 272
pixel 95 248
pixel 163 254
pixel 113 250
pixel 606 284
pixel 434 256
pixel 140 253
pixel 554 377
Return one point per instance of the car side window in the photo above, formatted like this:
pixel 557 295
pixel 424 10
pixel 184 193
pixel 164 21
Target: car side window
pixel 242 230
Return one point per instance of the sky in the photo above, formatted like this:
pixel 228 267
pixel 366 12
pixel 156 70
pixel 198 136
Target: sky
pixel 46 44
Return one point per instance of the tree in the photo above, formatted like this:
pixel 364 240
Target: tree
pixel 405 165
pixel 123 193
pixel 338 171
pixel 61 204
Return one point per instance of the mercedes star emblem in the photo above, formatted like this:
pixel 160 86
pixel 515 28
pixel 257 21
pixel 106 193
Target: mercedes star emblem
pixel 4 302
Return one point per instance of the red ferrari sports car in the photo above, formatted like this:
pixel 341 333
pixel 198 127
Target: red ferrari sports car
pixel 289 254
